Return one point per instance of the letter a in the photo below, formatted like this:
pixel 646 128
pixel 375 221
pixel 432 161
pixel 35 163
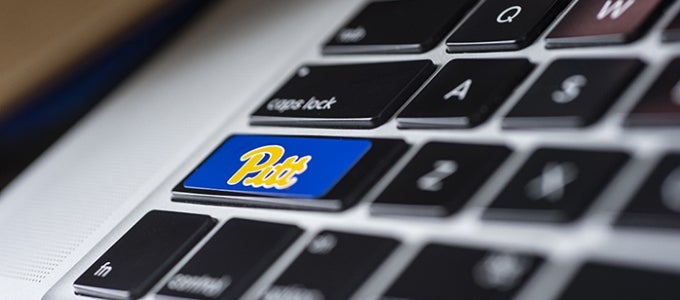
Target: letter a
pixel 614 9
pixel 460 91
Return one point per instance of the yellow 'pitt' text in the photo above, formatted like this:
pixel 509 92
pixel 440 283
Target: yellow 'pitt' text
pixel 262 162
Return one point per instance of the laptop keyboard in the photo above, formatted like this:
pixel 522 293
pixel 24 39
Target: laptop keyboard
pixel 431 180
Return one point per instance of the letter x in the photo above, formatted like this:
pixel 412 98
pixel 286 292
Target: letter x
pixel 551 183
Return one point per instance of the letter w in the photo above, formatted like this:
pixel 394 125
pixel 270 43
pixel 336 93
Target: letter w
pixel 614 9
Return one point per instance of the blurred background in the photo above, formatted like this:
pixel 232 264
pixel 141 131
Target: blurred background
pixel 58 59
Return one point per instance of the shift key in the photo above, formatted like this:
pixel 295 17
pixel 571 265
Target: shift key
pixel 143 255
pixel 343 96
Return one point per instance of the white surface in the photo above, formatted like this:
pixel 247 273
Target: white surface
pixel 126 157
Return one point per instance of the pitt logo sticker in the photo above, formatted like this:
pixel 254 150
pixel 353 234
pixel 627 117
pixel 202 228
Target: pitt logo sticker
pixel 277 166
pixel 263 164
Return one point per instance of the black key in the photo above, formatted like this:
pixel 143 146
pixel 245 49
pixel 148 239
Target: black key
pixel 503 25
pixel 314 173
pixel 657 204
pixel 661 104
pixel 573 93
pixel 605 22
pixel 444 272
pixel 407 26
pixel 556 185
pixel 465 93
pixel 231 261
pixel 348 96
pixel 440 179
pixel 607 282
pixel 333 266
pixel 143 255
pixel 672 31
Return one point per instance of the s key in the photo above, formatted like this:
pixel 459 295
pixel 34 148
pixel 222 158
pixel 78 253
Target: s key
pixel 573 93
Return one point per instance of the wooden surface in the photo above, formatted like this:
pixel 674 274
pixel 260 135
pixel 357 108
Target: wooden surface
pixel 40 40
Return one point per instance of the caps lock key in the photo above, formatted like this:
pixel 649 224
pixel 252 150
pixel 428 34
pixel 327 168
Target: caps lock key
pixel 345 96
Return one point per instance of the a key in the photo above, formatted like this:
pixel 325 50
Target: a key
pixel 671 33
pixel 333 266
pixel 409 26
pixel 289 172
pixel 608 282
pixel 464 93
pixel 573 93
pixel 446 272
pixel 347 96
pixel 556 185
pixel 605 22
pixel 231 261
pixel 660 106
pixel 143 255
pixel 503 25
pixel 657 203
pixel 440 179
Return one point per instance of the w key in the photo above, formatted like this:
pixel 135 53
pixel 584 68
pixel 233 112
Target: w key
pixel 604 22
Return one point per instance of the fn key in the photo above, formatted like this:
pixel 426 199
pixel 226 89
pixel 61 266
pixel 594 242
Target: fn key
pixel 143 255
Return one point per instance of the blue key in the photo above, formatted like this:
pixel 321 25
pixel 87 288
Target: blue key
pixel 290 172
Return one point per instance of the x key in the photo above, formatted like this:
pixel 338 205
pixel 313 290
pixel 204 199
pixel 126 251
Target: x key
pixel 556 185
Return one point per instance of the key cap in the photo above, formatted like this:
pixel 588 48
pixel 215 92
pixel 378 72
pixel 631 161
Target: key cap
pixel 333 266
pixel 607 282
pixel 556 185
pixel 502 25
pixel 398 27
pixel 671 33
pixel 440 179
pixel 231 261
pixel 657 203
pixel 445 272
pixel 605 22
pixel 289 172
pixel 661 104
pixel 465 93
pixel 143 255
pixel 347 96
pixel 573 93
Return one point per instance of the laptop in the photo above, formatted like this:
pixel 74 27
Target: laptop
pixel 370 150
